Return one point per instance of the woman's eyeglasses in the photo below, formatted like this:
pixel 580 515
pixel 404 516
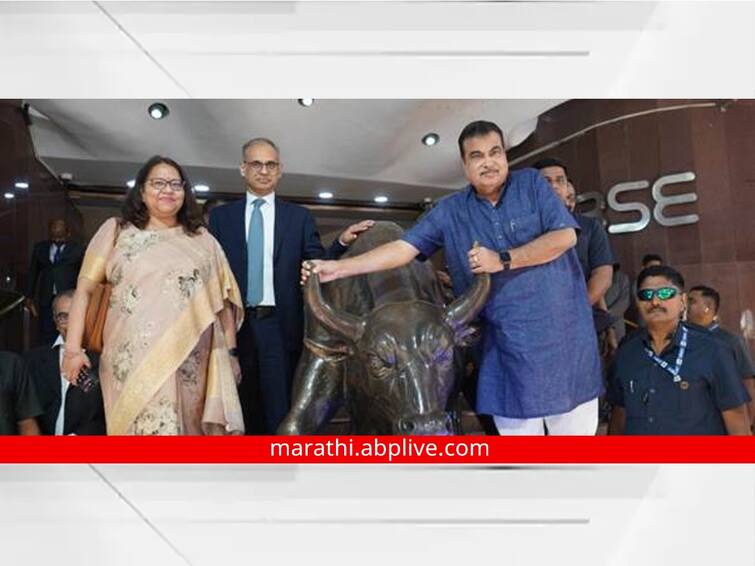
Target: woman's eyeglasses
pixel 162 184
pixel 663 294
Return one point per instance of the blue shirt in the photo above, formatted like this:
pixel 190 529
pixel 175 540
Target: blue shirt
pixel 593 248
pixel 539 351
pixel 654 404
pixel 741 350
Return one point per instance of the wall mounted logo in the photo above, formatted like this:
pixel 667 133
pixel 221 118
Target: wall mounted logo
pixel 659 210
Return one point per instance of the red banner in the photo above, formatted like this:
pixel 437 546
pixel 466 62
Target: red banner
pixel 377 450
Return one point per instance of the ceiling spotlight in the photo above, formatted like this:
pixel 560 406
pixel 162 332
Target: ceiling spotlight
pixel 430 139
pixel 22 185
pixel 381 199
pixel 202 188
pixel 325 195
pixel 9 196
pixel 306 102
pixel 158 111
pixel 131 183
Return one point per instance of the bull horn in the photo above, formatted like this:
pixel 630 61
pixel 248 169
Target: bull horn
pixel 346 325
pixel 464 309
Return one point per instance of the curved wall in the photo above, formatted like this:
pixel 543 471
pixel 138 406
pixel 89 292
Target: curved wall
pixel 716 143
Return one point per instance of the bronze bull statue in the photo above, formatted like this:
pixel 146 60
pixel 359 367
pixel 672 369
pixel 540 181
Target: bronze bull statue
pixel 385 346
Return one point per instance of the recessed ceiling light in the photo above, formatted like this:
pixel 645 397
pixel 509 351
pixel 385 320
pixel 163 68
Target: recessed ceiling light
pixel 131 183
pixel 22 185
pixel 325 195
pixel 306 102
pixel 202 188
pixel 9 196
pixel 381 199
pixel 430 139
pixel 158 111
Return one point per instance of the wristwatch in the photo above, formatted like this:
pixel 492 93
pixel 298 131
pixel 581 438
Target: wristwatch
pixel 234 352
pixel 506 260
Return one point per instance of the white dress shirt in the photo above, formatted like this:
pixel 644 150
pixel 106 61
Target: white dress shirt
pixel 64 384
pixel 268 220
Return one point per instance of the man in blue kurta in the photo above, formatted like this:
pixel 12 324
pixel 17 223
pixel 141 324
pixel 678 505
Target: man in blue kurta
pixel 539 368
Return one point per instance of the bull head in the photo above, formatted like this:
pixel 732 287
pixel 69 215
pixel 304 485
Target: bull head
pixel 403 358
pixel 457 315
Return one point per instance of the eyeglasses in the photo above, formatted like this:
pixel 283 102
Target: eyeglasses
pixel 663 294
pixel 162 184
pixel 257 166
pixel 61 317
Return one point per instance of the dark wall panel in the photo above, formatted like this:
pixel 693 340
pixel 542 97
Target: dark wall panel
pixel 717 143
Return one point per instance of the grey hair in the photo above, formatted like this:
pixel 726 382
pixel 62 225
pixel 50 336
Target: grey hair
pixel 258 141
pixel 67 294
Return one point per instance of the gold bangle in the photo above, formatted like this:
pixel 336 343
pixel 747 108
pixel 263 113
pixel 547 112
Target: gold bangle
pixel 67 354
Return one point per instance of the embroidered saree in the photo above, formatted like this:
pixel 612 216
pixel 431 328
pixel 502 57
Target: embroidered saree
pixel 165 367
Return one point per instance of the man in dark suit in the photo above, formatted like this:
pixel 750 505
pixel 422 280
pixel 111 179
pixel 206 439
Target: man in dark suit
pixel 55 265
pixel 67 408
pixel 266 239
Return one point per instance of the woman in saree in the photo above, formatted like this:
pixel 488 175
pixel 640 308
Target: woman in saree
pixel 168 363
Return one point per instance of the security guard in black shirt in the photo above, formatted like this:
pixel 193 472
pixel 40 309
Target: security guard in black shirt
pixel 704 304
pixel 674 378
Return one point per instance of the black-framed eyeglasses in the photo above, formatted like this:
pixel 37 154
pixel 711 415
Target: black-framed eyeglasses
pixel 663 294
pixel 257 166
pixel 176 185
pixel 61 316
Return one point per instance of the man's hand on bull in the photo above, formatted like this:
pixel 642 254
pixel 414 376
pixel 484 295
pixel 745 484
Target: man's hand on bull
pixel 328 270
pixel 483 260
pixel 351 233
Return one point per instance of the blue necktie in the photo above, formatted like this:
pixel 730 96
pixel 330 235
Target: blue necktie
pixel 255 246
pixel 56 254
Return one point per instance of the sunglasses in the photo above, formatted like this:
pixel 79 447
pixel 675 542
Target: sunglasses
pixel 663 294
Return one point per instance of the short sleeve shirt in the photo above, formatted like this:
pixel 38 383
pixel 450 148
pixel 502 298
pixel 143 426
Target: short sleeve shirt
pixel 654 404
pixel 741 351
pixel 18 399
pixel 539 351
pixel 593 248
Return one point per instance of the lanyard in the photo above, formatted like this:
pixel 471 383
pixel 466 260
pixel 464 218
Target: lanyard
pixel 674 371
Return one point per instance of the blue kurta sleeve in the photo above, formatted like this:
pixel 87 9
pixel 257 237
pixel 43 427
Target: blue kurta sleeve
pixel 427 234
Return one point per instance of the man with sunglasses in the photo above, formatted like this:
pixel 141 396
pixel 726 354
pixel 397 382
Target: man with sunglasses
pixel 266 239
pixel 670 377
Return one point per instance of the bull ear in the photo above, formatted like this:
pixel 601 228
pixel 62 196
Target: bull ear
pixel 464 309
pixel 328 352
pixel 344 324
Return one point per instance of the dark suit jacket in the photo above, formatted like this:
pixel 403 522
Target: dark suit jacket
pixel 85 414
pixel 62 275
pixel 295 239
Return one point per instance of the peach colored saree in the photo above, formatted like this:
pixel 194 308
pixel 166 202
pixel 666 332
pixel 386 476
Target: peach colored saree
pixel 165 367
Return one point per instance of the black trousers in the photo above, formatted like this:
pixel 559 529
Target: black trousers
pixel 267 369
